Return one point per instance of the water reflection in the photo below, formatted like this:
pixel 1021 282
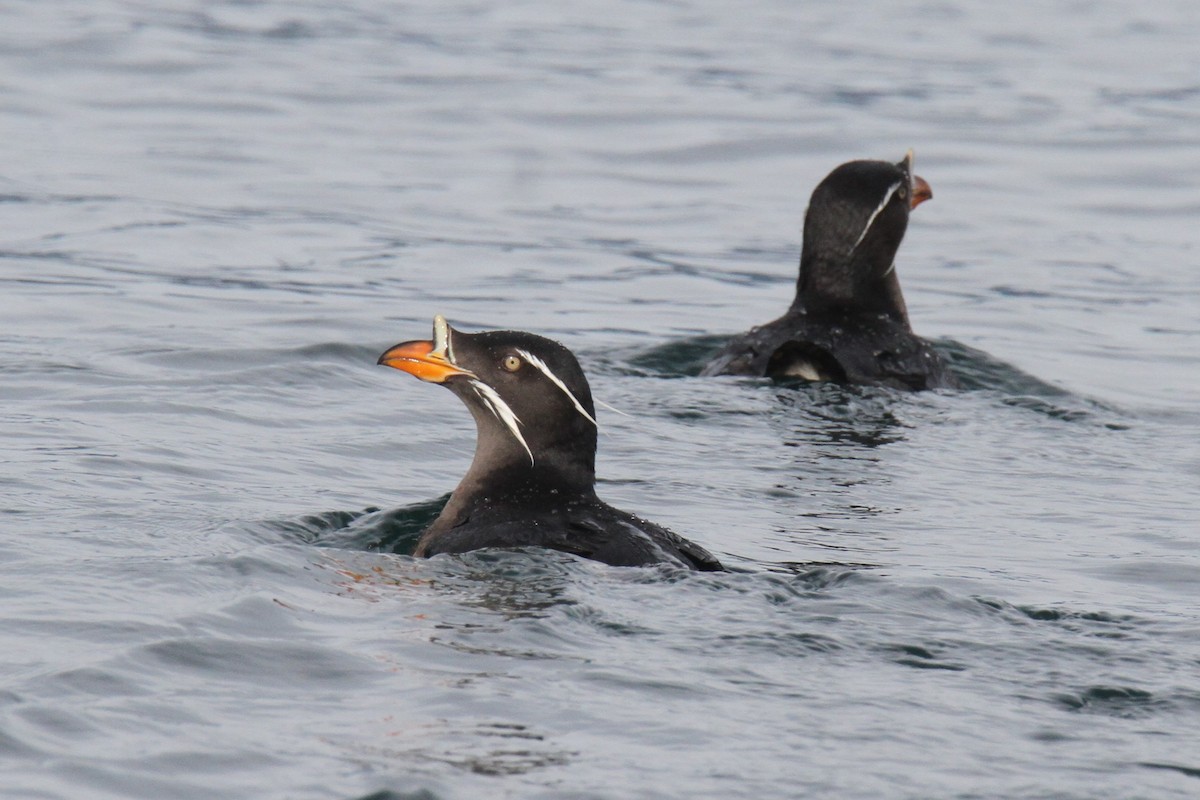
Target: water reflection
pixel 394 530
pixel 522 582
pixel 829 416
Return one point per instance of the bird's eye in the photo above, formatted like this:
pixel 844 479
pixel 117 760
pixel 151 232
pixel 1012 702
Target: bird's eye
pixel 511 363
pixel 903 193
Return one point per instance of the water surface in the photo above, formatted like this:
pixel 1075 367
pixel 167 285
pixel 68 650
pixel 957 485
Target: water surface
pixel 214 216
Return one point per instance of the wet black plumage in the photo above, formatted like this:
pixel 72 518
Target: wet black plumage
pixel 848 321
pixel 532 480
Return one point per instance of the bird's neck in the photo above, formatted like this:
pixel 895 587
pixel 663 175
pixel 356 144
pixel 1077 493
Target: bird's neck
pixel 844 289
pixel 501 477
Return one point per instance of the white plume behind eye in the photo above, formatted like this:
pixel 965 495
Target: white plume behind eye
pixel 895 187
pixel 503 412
pixel 611 408
pixel 545 370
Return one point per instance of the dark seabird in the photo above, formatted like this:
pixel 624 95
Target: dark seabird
pixel 848 322
pixel 533 479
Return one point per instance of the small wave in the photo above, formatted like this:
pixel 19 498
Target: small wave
pixel 1191 772
pixel 976 371
pixel 1125 702
pixel 388 794
pixel 681 358
pixel 376 530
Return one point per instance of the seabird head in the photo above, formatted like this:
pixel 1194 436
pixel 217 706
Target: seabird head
pixel 528 394
pixel 855 222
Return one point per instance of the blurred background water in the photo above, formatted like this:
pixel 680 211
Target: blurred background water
pixel 214 216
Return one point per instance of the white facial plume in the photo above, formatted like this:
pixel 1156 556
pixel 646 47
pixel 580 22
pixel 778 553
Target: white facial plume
pixel 887 197
pixel 545 370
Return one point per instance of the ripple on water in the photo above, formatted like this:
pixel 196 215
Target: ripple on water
pixel 1128 702
pixel 393 530
pixel 975 369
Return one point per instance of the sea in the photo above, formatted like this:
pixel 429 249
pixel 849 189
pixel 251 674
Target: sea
pixel 214 216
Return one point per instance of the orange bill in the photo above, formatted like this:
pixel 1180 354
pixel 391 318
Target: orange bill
pixel 422 360
pixel 921 191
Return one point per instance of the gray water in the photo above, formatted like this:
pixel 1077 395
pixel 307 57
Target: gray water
pixel 214 216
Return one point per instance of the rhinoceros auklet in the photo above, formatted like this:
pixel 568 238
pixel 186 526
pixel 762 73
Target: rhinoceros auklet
pixel 532 481
pixel 848 322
